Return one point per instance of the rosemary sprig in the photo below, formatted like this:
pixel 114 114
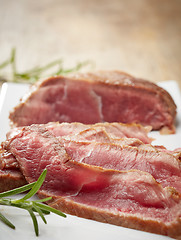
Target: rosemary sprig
pixel 31 206
pixel 33 74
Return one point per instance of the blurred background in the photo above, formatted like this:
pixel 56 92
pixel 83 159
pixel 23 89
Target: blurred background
pixel 141 37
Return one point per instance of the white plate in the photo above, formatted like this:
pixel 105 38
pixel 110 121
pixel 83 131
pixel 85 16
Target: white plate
pixel 73 227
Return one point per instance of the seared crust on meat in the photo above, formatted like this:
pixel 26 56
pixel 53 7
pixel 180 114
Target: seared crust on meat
pixel 10 179
pixel 104 96
pixel 68 206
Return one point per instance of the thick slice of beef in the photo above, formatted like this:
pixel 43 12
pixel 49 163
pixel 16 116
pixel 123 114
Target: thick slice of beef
pixel 114 130
pixel 126 198
pixel 164 167
pixel 105 132
pixel 120 153
pixel 94 146
pixel 100 136
pixel 107 96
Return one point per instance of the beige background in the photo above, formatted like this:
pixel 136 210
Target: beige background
pixel 141 37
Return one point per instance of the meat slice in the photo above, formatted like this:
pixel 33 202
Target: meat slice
pixel 107 96
pixel 113 130
pixel 164 167
pixel 97 147
pixel 7 160
pixel 126 198
pixel 83 131
pixel 10 175
pixel 10 179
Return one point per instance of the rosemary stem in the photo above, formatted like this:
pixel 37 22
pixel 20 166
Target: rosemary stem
pixel 34 74
pixel 26 204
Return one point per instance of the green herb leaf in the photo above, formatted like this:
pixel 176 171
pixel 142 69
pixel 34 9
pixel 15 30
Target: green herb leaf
pixel 17 190
pixel 35 223
pixel 31 206
pixel 40 213
pixel 36 187
pixel 6 221
pixel 48 208
pixel 4 64
pixel 34 74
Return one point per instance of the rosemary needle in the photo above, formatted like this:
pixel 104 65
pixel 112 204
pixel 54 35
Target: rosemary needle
pixel 33 74
pixel 6 221
pixel 31 206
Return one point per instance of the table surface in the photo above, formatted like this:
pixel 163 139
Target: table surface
pixel 141 37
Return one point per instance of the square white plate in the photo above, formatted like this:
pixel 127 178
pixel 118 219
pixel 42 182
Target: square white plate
pixel 73 227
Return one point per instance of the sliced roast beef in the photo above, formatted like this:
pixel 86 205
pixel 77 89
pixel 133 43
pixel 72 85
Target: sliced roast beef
pixel 126 198
pixel 79 130
pixel 94 146
pixel 164 167
pixel 113 130
pixel 107 96
pixel 10 174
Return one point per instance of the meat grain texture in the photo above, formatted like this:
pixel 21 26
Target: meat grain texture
pixel 126 198
pixel 101 132
pixel 104 96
